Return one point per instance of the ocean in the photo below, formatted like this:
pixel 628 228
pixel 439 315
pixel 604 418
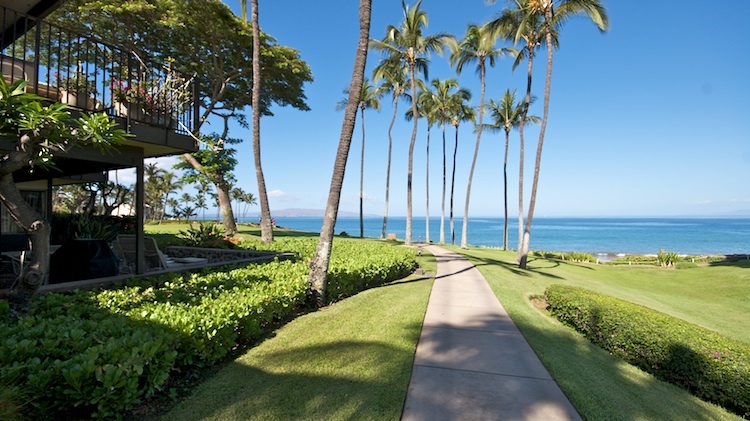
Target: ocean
pixel 605 236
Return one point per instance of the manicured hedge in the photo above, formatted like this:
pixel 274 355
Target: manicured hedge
pixel 98 353
pixel 711 366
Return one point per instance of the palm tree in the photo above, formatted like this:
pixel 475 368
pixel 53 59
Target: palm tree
pixel 319 262
pixel 393 75
pixel 153 194
pixel 427 110
pixel 461 113
pixel 552 14
pixel 368 98
pixel 204 188
pixel 516 25
pixel 168 184
pixel 407 44
pixel 266 228
pixel 507 115
pixel 478 45
pixel 248 199
pixel 444 99
pixel 186 199
pixel 237 193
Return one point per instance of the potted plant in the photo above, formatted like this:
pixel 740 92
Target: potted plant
pixel 78 91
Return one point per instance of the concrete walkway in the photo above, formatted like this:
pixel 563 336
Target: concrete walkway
pixel 472 363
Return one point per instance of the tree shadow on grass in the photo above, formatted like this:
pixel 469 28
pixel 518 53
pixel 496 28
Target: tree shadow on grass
pixel 293 387
pixel 590 376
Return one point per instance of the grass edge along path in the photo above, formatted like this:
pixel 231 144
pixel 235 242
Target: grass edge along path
pixel 351 360
pixel 599 385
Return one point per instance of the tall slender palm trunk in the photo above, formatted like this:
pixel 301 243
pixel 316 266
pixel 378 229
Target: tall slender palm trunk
pixel 540 144
pixel 266 228
pixel 442 207
pixel 465 228
pixel 319 263
pixel 453 185
pixel 527 103
pixel 362 177
pixel 388 168
pixel 407 237
pixel 505 190
pixel 427 189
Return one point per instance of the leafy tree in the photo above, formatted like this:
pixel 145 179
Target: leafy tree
pixel 368 98
pixel 477 46
pixel 205 39
pixel 215 161
pixel 407 44
pixel 507 116
pixel 393 76
pixel 319 263
pixel 40 132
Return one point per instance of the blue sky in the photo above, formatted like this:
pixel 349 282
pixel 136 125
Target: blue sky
pixel 651 118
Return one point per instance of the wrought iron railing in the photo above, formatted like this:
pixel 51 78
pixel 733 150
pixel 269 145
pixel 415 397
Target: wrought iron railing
pixel 92 75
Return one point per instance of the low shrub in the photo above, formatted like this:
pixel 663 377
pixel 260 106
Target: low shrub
pixel 574 256
pixel 710 366
pixel 98 353
pixel 667 259
pixel 208 234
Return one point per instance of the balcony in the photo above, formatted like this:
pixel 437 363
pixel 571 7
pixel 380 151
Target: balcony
pixel 149 99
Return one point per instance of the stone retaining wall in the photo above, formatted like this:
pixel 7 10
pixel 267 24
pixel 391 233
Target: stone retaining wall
pixel 215 255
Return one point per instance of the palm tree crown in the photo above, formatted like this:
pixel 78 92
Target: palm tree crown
pixel 408 44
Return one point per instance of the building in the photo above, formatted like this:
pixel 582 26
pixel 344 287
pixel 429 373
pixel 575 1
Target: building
pixel 155 104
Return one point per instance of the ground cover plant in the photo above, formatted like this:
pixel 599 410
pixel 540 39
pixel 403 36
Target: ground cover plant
pixel 351 360
pixel 98 353
pixel 709 365
pixel 601 386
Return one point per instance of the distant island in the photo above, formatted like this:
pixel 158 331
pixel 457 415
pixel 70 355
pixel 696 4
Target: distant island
pixel 296 213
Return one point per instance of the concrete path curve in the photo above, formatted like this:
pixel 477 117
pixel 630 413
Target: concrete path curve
pixel 472 363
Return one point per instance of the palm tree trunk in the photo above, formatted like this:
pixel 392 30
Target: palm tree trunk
pixel 266 228
pixel 362 178
pixel 505 191
pixel 388 168
pixel 453 185
pixel 527 103
pixel 407 239
pixel 319 263
pixel 465 228
pixel 427 189
pixel 442 207
pixel 540 144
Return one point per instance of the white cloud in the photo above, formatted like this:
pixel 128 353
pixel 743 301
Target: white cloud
pixel 282 196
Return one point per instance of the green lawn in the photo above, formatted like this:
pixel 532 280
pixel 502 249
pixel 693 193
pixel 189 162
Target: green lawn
pixel 351 360
pixel 600 386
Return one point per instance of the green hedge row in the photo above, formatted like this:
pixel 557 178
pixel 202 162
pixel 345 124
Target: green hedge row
pixel 98 353
pixel 710 366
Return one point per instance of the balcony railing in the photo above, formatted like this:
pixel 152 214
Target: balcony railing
pixel 92 75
